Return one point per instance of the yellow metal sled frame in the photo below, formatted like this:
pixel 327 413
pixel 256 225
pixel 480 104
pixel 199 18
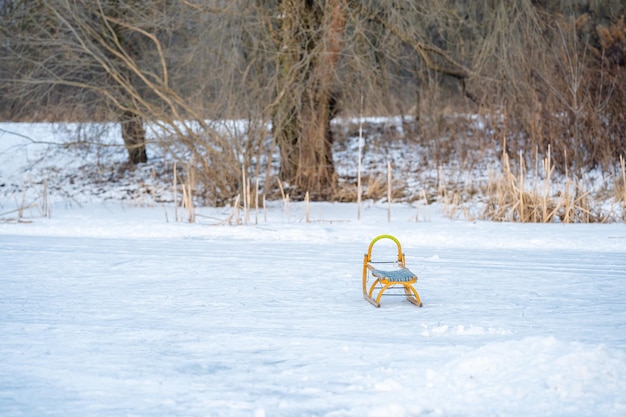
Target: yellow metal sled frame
pixel 383 280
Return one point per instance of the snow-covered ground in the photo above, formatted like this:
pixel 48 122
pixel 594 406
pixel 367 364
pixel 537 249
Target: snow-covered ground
pixel 111 308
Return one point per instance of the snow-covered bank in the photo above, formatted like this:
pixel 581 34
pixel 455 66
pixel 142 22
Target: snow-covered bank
pixel 43 164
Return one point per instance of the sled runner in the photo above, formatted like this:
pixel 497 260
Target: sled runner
pixel 382 280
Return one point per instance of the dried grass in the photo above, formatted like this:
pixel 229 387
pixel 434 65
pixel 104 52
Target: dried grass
pixel 620 188
pixel 509 198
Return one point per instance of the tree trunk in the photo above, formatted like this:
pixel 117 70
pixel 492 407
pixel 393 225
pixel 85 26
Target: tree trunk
pixel 311 40
pixel 134 137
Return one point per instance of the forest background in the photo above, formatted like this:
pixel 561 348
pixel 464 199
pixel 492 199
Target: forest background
pixel 546 79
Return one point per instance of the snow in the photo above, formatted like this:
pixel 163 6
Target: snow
pixel 111 308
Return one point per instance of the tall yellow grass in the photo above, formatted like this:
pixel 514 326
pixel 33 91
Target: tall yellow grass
pixel 511 198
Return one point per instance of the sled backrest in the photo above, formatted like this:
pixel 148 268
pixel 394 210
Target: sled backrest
pixel 400 256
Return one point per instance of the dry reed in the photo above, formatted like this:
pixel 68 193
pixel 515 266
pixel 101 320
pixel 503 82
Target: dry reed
pixel 620 188
pixel 188 187
pixel 510 199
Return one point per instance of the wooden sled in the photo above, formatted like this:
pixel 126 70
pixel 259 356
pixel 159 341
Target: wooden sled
pixel 377 281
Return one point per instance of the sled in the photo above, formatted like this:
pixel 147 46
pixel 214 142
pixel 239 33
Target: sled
pixel 376 281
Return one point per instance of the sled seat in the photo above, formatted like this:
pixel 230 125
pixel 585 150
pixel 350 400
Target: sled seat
pixel 377 281
pixel 398 275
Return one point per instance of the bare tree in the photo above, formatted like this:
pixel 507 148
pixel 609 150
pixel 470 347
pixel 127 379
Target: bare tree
pixel 309 42
pixel 84 49
pixel 112 58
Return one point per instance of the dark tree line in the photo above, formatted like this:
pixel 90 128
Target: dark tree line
pixel 549 73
